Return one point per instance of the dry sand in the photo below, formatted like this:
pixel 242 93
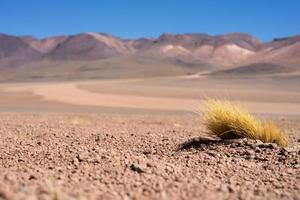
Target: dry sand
pixel 169 94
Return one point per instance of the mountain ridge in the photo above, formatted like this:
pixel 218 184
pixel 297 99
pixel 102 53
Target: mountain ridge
pixel 220 52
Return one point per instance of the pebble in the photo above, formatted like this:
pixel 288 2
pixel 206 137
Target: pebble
pixel 226 188
pixel 82 156
pixel 249 152
pixel 138 168
pixel 32 177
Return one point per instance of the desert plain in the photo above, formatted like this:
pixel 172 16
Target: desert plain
pixel 142 138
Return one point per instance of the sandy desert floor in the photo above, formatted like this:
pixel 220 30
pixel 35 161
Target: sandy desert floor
pixel 140 139
pixel 155 95
pixel 92 156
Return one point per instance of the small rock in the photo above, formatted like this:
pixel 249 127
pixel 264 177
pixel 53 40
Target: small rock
pixel 233 145
pixel 82 156
pixel 289 150
pixel 10 177
pixel 105 157
pixel 137 168
pixel 256 192
pixel 235 160
pixel 242 141
pixel 5 194
pixel 290 171
pixel 249 152
pixel 283 152
pixel 258 142
pixel 268 145
pixel 50 167
pixel 260 158
pixel 211 153
pixel 150 164
pixel 257 150
pixel 297 166
pixel 262 145
pixel 32 177
pixel 272 146
pixel 230 188
pixel 226 188
pixel 250 143
pixel 146 152
pixel 75 161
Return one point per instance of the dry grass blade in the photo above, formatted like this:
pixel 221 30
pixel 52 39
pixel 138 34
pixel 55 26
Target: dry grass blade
pixel 271 133
pixel 227 120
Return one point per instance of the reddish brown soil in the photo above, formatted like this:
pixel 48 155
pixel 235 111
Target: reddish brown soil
pixel 49 156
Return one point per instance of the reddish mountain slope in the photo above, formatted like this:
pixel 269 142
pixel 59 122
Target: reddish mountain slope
pixel 239 53
pixel 89 46
pixel 15 52
pixel 45 45
pixel 225 50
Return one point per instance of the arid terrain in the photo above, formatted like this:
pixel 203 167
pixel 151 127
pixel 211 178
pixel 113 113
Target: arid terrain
pixel 93 116
pixel 140 139
pixel 90 156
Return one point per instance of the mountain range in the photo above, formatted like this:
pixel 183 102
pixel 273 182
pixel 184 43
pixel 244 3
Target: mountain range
pixel 100 55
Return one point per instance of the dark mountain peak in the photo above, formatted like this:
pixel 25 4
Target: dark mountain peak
pixel 291 39
pixel 280 39
pixel 283 42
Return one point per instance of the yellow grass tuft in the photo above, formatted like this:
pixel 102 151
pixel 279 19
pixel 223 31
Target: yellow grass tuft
pixel 271 133
pixel 227 120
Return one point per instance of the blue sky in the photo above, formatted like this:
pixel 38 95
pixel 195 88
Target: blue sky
pixel 265 19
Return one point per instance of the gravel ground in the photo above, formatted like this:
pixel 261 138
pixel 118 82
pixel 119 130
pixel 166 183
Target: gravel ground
pixel 65 156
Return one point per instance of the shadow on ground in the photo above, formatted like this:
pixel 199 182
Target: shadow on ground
pixel 199 142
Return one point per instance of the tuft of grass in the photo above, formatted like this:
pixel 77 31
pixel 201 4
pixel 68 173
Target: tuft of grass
pixel 272 133
pixel 227 120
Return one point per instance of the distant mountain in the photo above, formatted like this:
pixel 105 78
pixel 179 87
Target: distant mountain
pixel 15 52
pixel 239 53
pixel 89 46
pixel 45 45
pixel 224 50
pixel 281 50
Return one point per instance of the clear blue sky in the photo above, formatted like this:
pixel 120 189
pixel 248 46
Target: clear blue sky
pixel 264 19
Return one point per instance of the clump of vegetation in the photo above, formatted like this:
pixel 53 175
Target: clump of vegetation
pixel 227 120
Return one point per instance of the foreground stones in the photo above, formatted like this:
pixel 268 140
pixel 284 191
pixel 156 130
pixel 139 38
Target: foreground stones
pixel 135 157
